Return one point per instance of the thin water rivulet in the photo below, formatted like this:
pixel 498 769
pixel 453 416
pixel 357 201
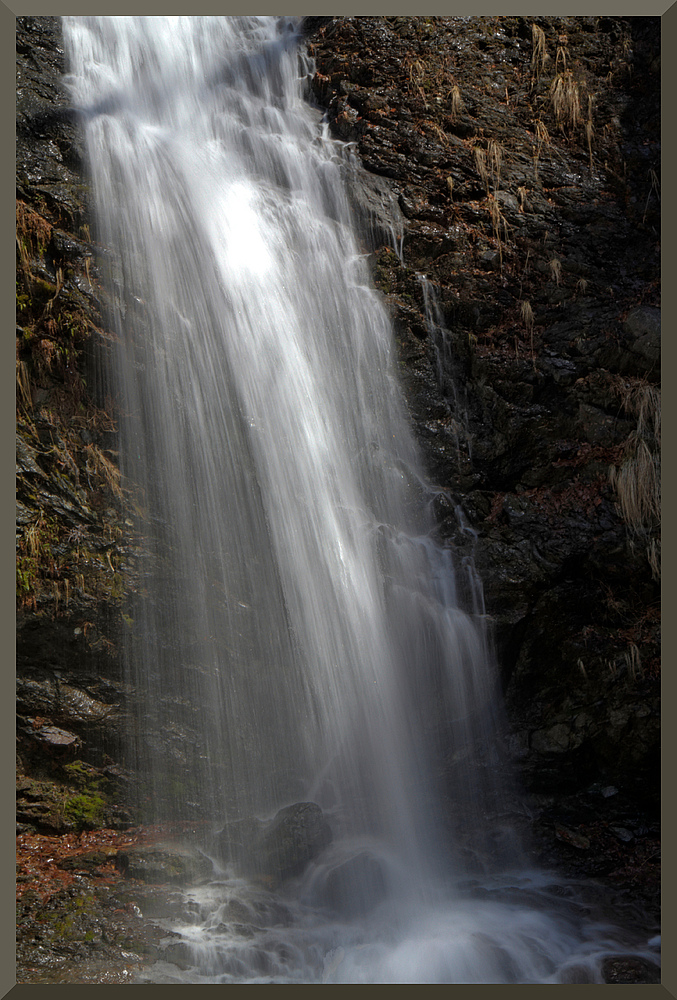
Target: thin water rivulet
pixel 298 637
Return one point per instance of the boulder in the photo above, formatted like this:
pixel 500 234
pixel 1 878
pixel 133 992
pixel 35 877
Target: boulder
pixel 355 886
pixel 280 848
pixel 160 865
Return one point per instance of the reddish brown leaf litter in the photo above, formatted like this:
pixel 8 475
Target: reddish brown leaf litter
pixel 46 863
pixel 39 857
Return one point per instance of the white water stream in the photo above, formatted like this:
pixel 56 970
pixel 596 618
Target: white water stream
pixel 297 635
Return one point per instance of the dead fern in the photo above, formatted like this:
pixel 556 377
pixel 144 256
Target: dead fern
pixel 542 141
pixel 565 98
pixel 637 481
pixel 539 56
pixel 456 102
pixel 97 464
pixel 480 158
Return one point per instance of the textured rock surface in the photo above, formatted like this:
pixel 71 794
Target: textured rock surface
pixel 513 217
pixel 75 544
pixel 279 849
pixel 527 310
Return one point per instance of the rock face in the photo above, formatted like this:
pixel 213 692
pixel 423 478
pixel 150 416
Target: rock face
pixel 522 155
pixel 512 212
pixel 75 546
pixel 78 543
pixel 279 849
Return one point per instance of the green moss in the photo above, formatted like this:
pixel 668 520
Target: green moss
pixel 81 774
pixel 43 289
pixel 26 575
pixel 63 928
pixel 85 810
pixel 35 554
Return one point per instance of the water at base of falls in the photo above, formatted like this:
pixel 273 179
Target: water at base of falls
pixel 297 635
pixel 519 928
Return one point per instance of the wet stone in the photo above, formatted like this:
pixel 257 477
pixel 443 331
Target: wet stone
pixel 630 970
pixel 160 866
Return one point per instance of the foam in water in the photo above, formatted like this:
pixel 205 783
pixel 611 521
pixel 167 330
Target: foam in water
pixel 297 634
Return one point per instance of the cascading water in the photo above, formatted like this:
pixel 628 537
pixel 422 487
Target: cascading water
pixel 297 636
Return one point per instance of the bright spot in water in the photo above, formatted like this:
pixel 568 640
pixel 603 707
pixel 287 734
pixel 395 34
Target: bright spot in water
pixel 238 232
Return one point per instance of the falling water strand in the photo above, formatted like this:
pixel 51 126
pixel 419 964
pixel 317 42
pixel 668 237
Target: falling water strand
pixel 295 630
pixel 454 396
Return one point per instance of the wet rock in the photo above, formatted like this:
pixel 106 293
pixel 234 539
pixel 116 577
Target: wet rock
pixel 160 865
pixel 644 327
pixel 235 840
pixel 295 836
pixel 491 260
pixel 376 206
pixel 310 25
pixel 624 835
pixel 354 887
pixel 178 953
pixel 630 970
pixel 88 862
pixel 280 848
pixel 571 837
pixel 557 739
pixel 55 737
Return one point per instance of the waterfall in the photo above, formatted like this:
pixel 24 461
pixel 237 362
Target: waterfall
pixel 296 635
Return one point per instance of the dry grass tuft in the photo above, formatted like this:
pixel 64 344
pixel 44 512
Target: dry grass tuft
pixel 637 481
pixel 589 130
pixel 556 270
pixel 653 554
pixel 456 102
pixel 488 163
pixel 417 76
pixel 494 162
pixel 539 56
pixel 481 165
pixel 97 464
pixel 498 220
pixel 542 141
pixel 499 226
pixel 33 536
pixel 633 661
pixel 527 314
pixel 23 386
pixel 565 98
pixel 637 484
pixel 33 232
pixel 644 402
pixel 437 131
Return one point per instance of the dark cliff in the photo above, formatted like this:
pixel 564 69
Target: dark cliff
pixel 519 158
pixel 523 157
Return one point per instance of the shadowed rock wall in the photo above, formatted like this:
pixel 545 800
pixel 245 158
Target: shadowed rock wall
pixel 523 155
pixel 520 159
